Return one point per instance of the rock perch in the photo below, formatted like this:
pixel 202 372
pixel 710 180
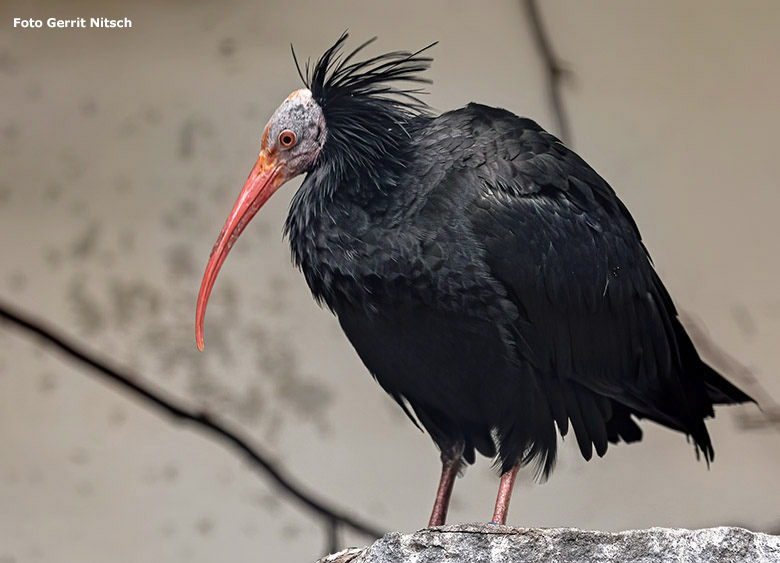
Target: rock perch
pixel 478 543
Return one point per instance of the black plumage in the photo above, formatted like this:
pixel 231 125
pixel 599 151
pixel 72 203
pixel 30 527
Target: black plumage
pixel 489 277
pixel 490 280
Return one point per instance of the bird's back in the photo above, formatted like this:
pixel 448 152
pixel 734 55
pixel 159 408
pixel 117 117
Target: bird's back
pixel 500 288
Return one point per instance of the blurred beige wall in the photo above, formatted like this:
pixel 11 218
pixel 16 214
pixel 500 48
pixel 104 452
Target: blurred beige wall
pixel 121 152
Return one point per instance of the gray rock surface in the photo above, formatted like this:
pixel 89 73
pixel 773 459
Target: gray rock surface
pixel 477 543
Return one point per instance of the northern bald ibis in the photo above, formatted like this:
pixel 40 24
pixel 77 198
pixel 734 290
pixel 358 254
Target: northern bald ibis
pixel 490 280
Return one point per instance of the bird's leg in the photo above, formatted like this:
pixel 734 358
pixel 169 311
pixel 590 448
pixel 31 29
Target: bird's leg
pixel 450 465
pixel 504 495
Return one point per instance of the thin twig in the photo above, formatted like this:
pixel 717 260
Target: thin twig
pixel 332 516
pixel 553 69
pixel 333 542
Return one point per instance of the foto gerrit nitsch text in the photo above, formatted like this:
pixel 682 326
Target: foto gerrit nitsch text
pixel 76 22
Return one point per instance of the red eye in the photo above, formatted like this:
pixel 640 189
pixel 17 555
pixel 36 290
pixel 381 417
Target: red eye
pixel 287 138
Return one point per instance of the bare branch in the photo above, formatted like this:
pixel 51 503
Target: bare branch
pixel 332 516
pixel 554 70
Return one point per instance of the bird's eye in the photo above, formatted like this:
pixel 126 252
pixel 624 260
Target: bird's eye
pixel 287 138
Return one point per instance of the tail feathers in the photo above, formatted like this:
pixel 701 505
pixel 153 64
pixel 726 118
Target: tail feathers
pixel 702 442
pixel 720 390
pixel 621 426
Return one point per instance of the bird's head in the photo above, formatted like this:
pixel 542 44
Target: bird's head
pixel 348 115
pixel 293 138
pixel 292 141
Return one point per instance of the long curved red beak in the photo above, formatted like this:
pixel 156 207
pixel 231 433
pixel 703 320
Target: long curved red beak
pixel 263 181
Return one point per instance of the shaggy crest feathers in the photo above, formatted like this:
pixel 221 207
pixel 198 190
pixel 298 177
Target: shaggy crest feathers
pixel 367 105
pixel 333 77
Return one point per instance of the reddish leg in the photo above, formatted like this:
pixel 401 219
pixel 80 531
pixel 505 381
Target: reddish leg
pixel 504 495
pixel 449 470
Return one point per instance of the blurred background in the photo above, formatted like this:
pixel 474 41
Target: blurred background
pixel 122 151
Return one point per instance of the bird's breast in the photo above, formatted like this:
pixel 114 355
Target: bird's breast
pixel 406 268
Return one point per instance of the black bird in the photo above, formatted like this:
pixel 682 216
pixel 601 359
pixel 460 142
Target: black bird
pixel 490 280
